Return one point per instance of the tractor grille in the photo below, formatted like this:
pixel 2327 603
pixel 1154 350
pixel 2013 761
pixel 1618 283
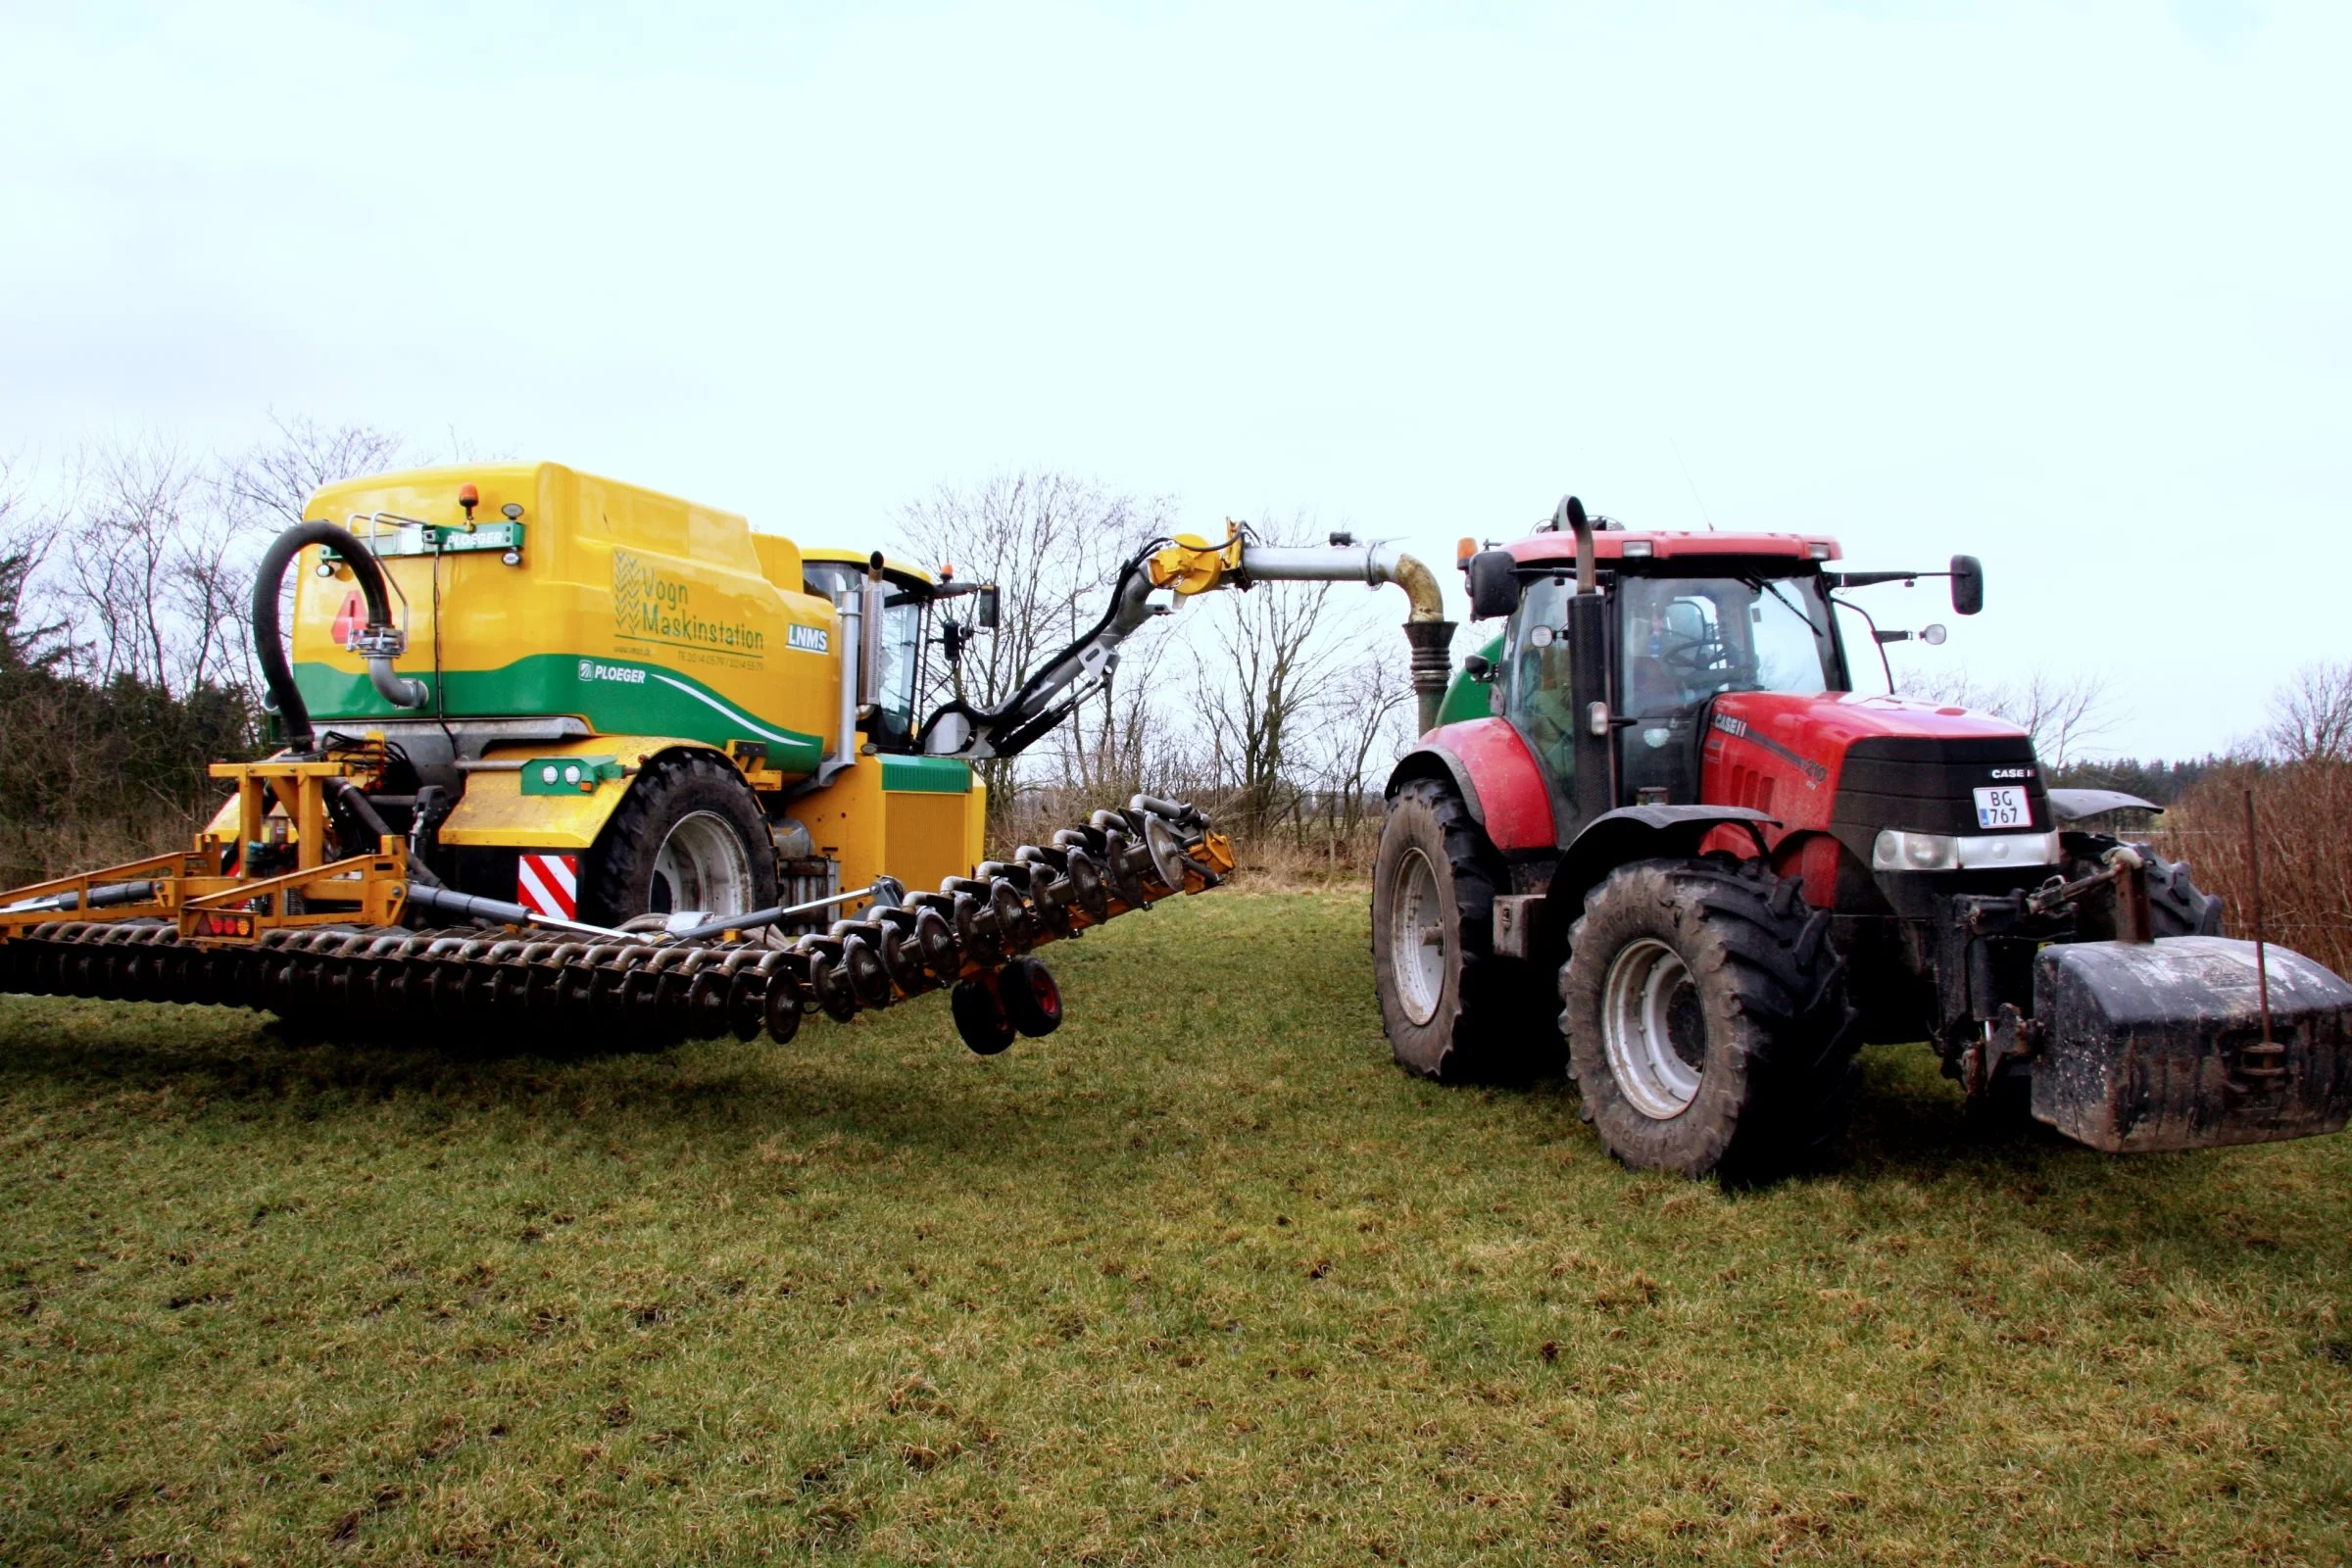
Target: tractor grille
pixel 1925 784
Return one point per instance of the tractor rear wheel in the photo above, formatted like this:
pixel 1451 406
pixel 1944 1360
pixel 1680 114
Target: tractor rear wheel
pixel 1709 1028
pixel 688 836
pixel 1452 1008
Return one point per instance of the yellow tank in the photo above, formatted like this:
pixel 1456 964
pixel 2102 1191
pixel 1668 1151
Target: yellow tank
pixel 568 594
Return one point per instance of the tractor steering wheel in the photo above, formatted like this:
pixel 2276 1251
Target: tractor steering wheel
pixel 1704 661
pixel 1689 659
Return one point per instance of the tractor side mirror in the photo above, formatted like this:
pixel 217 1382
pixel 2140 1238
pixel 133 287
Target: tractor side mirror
pixel 987 616
pixel 1968 585
pixel 1493 584
pixel 1478 666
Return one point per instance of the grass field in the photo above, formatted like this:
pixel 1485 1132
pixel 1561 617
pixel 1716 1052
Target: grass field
pixel 1202 1278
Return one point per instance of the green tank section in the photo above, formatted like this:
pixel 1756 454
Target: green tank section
pixel 1467 698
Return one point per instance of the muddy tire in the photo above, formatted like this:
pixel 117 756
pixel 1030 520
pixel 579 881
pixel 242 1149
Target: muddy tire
pixel 2177 905
pixel 688 836
pixel 1451 1009
pixel 1032 1000
pixel 980 1018
pixel 1709 1028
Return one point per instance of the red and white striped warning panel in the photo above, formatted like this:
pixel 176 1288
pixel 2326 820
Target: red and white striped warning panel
pixel 548 885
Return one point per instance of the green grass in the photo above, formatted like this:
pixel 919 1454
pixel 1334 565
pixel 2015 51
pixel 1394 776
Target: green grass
pixel 1202 1278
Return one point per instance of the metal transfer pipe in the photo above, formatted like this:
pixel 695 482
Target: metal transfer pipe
pixel 886 891
pixel 471 906
pixel 851 630
pixel 101 898
pixel 1426 627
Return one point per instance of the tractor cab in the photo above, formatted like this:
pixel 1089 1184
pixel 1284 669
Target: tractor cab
pixel 1684 631
pixel 900 642
pixel 1677 623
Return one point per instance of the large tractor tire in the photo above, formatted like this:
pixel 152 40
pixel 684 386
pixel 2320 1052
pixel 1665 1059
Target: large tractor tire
pixel 1709 1028
pixel 1452 1009
pixel 688 836
pixel 2177 905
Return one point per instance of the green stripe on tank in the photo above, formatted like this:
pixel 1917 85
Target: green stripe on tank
pixel 617 696
pixel 926 776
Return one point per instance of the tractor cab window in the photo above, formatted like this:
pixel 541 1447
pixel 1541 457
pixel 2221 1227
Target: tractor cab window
pixel 1539 695
pixel 901 654
pixel 1682 641
pixel 1689 638
pixel 899 675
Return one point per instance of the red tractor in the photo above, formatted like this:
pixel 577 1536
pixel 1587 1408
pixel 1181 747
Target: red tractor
pixel 1680 840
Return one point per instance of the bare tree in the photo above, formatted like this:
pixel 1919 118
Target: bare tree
pixel 1053 544
pixel 274 480
pixel 122 579
pixel 2064 714
pixel 26 642
pixel 1122 748
pixel 1262 669
pixel 2311 715
pixel 1362 727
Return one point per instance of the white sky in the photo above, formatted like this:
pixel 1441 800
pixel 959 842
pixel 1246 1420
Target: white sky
pixel 2063 284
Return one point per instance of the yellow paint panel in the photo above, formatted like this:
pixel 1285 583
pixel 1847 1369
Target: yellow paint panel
pixel 611 574
pixel 495 810
pixel 926 837
pixel 846 822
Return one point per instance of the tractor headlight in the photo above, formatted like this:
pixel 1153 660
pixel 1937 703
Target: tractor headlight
pixel 1899 851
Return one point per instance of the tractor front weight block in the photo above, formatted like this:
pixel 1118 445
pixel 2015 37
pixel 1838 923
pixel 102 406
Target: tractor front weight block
pixel 2163 1045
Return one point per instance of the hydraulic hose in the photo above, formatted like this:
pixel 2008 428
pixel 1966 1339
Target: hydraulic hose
pixel 268 647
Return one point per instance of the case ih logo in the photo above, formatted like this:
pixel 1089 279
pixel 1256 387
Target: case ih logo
pixel 1815 775
pixel 2012 772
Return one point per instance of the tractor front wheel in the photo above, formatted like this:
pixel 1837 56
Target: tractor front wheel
pixel 1709 1028
pixel 688 836
pixel 1452 1008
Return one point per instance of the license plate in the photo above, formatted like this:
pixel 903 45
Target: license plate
pixel 2004 806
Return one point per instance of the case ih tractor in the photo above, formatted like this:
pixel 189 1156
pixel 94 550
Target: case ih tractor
pixel 1657 820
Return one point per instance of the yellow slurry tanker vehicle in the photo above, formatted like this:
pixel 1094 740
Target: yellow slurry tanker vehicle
pixel 559 748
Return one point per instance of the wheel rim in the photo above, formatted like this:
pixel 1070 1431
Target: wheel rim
pixel 1417 940
pixel 701 865
pixel 1655 1032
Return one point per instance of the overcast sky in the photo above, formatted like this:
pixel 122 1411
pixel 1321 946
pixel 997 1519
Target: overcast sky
pixel 2061 284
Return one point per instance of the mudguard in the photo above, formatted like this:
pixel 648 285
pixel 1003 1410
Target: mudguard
pixel 1643 833
pixel 2159 1045
pixel 497 809
pixel 1489 764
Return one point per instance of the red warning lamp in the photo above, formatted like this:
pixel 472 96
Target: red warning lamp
pixel 469 498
